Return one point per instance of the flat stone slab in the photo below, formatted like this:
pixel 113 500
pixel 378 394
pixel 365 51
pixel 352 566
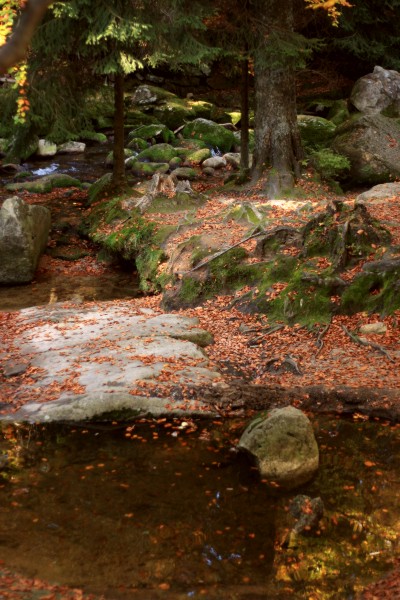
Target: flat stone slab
pixel 85 362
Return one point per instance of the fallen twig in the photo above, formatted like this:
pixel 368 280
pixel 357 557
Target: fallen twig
pixel 218 254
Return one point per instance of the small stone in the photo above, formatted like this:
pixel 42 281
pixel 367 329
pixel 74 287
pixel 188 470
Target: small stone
pixel 370 328
pixel 215 162
pixel 209 171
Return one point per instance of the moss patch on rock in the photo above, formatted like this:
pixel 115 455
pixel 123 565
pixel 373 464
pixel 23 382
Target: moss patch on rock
pixel 375 289
pixel 214 135
pixel 159 153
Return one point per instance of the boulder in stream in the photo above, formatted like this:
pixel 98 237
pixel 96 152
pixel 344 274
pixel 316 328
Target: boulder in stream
pixel 23 237
pixel 283 445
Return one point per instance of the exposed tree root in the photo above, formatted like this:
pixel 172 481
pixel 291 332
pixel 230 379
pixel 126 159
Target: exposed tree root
pixel 364 342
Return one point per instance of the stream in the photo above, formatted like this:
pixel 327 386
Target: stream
pixel 168 509
pixel 130 511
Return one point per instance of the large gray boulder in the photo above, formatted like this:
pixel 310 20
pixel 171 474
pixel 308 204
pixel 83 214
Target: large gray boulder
pixel 372 144
pixel 24 231
pixel 284 446
pixel 379 194
pixel 377 92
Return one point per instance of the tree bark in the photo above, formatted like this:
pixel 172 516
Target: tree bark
pixel 277 139
pixel 16 47
pixel 118 179
pixel 244 121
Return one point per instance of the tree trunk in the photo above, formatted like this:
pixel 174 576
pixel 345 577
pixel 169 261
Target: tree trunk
pixel 118 179
pixel 277 140
pixel 244 121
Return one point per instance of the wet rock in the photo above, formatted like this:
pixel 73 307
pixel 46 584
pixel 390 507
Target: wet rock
pixel 24 231
pixel 284 446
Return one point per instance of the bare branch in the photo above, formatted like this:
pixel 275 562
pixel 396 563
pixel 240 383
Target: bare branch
pixel 16 47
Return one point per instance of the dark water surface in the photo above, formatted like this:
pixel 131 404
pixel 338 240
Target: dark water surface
pixel 167 509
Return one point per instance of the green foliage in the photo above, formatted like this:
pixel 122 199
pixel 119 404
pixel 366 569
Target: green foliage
pixel 369 33
pixel 329 164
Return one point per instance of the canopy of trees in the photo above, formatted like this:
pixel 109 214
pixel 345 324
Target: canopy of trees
pixel 120 39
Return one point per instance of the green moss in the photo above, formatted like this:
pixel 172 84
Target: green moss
pixel 180 202
pixel 301 302
pixel 244 212
pixel 373 292
pixel 92 136
pixel 147 263
pixel 161 153
pixel 36 187
pixel 146 169
pixel 315 131
pixel 197 156
pixel 329 164
pixel 137 144
pixel 191 290
pixel 45 184
pixel 98 188
pixel 152 132
pixel 214 135
pixel 173 113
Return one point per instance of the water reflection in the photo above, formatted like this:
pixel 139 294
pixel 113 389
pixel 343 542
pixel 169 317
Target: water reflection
pixel 133 511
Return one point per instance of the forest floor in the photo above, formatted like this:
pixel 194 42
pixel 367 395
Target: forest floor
pixel 321 369
pixel 327 370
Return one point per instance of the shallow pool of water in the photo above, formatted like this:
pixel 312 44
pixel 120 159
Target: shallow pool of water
pixel 167 509
pixel 50 287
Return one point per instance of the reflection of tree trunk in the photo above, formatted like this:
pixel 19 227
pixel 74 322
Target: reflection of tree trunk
pixel 119 155
pixel 277 140
pixel 244 120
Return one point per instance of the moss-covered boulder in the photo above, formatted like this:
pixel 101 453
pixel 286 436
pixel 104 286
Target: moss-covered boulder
pixel 173 113
pixel 198 156
pixel 146 169
pixel 185 173
pixel 213 134
pixel 153 133
pixel 370 142
pixel 45 184
pixel 46 148
pixel 137 144
pixel 376 289
pixel 161 153
pixel 93 137
pixel 201 109
pixel 315 131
